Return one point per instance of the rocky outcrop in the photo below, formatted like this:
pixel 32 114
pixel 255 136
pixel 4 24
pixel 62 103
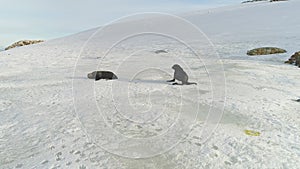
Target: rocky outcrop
pixel 23 43
pixel 253 1
pixel 297 61
pixel 265 51
pixel 249 1
pixel 277 0
pixel 294 59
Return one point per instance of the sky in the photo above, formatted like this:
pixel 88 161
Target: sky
pixel 48 19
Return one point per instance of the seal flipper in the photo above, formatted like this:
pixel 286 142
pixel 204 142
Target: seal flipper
pixel 173 80
pixel 176 83
pixel 98 76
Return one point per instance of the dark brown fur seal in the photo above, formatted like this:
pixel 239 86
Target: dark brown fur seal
pixel 97 75
pixel 180 75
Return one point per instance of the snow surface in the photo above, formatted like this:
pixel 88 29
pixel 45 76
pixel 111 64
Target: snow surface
pixel 50 110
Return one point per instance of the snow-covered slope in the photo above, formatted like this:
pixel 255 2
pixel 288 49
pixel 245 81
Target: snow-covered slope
pixel 51 113
pixel 251 25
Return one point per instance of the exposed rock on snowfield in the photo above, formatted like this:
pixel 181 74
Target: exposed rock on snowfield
pixel 262 0
pixel 161 51
pixel 298 61
pixel 295 58
pixel 253 1
pixel 23 43
pixel 265 51
pixel 277 0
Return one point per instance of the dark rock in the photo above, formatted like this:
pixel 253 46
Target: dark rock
pixel 297 63
pixel 23 43
pixel 249 1
pixel 289 61
pixel 253 1
pixel 160 51
pixel 295 58
pixel 277 0
pixel 265 51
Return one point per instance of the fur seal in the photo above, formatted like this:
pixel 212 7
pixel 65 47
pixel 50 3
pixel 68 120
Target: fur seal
pixel 97 75
pixel 180 75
